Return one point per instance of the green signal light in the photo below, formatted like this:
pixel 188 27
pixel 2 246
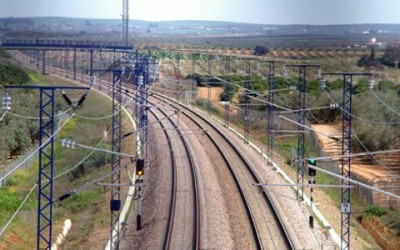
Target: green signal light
pixel 312 162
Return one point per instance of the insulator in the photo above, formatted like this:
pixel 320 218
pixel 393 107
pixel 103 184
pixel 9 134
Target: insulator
pixel 322 83
pixel 371 84
pixel 66 98
pixel 83 98
pixel 284 71
pixel 64 196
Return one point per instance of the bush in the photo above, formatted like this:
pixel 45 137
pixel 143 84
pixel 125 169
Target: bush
pixel 372 211
pixel 361 86
pixel 9 200
pixel 13 75
pixel 4 54
pixel 386 85
pixel 260 50
pixel 205 104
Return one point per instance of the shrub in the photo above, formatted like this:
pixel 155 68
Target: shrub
pixel 205 104
pixel 13 75
pixel 9 200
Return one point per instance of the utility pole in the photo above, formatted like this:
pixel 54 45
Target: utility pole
pixel 271 110
pixel 116 127
pixel 301 120
pixel 46 159
pixel 209 71
pixel 178 76
pixel 142 80
pixel 247 102
pixel 194 55
pixel 227 102
pixel 345 205
pixel 116 140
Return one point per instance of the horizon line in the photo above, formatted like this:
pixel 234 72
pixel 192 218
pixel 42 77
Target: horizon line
pixel 201 20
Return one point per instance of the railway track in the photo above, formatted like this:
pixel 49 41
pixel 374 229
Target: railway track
pixel 178 234
pixel 266 224
pixel 267 227
pixel 184 207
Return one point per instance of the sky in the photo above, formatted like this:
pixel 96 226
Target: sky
pixel 248 11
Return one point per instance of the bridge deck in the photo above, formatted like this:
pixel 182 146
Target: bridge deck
pixel 22 44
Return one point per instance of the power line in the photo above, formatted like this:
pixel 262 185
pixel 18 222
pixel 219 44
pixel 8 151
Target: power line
pixel 36 117
pixel 355 182
pixel 102 150
pixel 361 143
pixel 335 157
pixel 361 118
pixel 81 161
pixel 95 118
pixel 373 156
pixel 2 117
pixel 304 126
pixel 381 101
pixel 17 211
pixel 36 150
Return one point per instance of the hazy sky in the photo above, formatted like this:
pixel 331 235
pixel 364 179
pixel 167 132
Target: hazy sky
pixel 250 11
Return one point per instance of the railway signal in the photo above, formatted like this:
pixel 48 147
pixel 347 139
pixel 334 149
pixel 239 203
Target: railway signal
pixel 311 171
pixel 139 167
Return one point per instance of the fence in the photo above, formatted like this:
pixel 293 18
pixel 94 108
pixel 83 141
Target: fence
pixel 11 167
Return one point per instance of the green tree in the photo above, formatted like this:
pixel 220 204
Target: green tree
pixel 391 57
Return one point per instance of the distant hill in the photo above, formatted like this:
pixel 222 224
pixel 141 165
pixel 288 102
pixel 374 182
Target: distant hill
pixel 191 26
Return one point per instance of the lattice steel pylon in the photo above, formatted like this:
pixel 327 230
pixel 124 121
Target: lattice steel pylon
pixel 177 72
pixel 115 202
pixel 247 104
pixel 193 75
pixel 227 92
pixel 142 80
pixel 270 114
pixel 345 163
pixel 46 169
pixel 46 161
pixel 301 149
pixel 125 21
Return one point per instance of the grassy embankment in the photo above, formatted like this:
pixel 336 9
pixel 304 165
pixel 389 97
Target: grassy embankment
pixel 88 209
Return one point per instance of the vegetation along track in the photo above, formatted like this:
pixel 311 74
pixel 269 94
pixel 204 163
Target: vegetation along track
pixel 267 226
